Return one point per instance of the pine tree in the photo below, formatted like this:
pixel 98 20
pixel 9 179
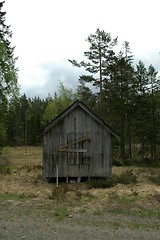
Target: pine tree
pixel 99 56
pixel 34 118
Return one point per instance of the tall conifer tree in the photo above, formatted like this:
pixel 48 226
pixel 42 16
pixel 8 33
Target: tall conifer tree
pixel 99 56
pixel 8 71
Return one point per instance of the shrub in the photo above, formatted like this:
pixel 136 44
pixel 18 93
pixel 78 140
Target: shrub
pixel 117 162
pixel 127 177
pixel 59 192
pixel 127 199
pixel 4 163
pixel 100 183
pixel 157 197
pixel 155 179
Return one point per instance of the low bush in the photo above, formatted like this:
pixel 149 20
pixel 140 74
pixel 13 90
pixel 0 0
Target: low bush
pixel 117 162
pixel 100 183
pixel 127 177
pixel 4 163
pixel 155 179
pixel 59 192
pixel 157 197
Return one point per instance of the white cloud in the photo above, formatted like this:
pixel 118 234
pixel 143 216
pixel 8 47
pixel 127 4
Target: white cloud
pixel 53 31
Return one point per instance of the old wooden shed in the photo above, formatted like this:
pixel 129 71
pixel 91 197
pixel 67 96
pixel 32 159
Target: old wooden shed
pixel 77 143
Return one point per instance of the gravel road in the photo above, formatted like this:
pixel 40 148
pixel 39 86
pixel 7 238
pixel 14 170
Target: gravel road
pixel 37 221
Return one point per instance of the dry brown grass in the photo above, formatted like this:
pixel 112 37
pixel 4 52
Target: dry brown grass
pixel 24 156
pixel 25 179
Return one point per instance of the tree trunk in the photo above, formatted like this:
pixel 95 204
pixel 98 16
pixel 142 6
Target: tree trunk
pixel 142 139
pixel 101 97
pixel 122 154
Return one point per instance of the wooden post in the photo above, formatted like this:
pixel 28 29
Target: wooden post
pixel 67 180
pixel 57 174
pixel 25 132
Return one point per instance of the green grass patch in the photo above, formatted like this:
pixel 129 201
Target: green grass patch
pixel 150 213
pixel 88 198
pixel 82 210
pixel 126 199
pixel 61 213
pixel 13 196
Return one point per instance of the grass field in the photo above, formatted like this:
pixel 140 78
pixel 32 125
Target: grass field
pixel 22 156
pixel 24 193
pixel 25 180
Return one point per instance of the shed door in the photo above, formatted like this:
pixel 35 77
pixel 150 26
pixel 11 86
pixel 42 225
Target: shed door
pixel 78 148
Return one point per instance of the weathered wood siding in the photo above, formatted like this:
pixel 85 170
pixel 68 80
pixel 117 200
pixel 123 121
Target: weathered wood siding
pixel 98 158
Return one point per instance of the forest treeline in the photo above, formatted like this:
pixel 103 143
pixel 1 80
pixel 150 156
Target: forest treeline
pixel 124 94
pixel 133 110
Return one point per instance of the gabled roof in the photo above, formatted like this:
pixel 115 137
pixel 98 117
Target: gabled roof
pixel 86 109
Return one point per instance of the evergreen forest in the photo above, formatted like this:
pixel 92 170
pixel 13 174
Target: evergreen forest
pixel 121 91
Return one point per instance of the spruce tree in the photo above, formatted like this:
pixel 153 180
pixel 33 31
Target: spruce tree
pixel 8 71
pixel 119 94
pixel 141 107
pixel 153 87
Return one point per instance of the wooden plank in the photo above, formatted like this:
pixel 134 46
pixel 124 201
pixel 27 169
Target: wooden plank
pixel 76 150
pixel 62 148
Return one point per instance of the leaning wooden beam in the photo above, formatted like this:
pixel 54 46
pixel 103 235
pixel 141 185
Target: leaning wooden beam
pixel 74 150
pixel 63 148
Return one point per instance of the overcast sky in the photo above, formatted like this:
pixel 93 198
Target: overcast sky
pixel 48 33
